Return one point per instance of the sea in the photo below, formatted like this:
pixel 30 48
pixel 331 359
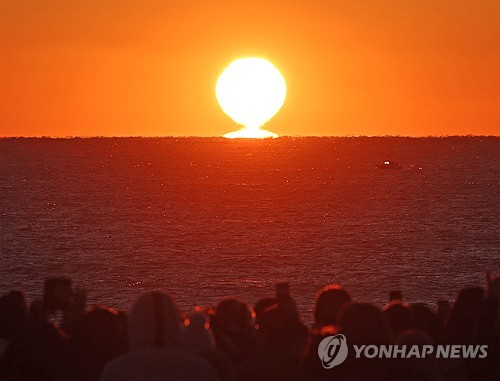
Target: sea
pixel 210 218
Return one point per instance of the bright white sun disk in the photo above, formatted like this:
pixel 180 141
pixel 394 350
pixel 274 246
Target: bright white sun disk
pixel 251 91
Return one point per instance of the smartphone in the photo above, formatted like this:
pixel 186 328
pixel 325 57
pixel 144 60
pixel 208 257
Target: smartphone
pixel 282 290
pixel 57 294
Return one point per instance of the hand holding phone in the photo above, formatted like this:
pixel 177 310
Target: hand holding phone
pixel 57 294
pixel 282 290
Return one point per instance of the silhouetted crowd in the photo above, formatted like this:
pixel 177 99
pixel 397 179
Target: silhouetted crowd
pixel 59 338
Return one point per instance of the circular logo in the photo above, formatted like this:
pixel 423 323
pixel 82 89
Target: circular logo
pixel 332 351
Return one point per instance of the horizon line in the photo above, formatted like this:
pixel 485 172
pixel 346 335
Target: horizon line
pixel 239 139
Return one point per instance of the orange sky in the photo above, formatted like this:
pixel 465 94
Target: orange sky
pixel 132 67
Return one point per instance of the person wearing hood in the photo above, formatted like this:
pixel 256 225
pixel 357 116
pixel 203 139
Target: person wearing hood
pixel 155 351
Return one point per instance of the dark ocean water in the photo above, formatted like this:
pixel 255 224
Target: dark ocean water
pixel 208 218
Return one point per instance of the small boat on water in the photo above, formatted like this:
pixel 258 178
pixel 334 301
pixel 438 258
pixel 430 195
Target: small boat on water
pixel 388 164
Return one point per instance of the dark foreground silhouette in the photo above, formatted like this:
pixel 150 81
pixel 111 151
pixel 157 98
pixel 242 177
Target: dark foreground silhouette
pixel 59 338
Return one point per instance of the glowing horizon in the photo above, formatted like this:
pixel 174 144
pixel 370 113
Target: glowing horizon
pixel 250 133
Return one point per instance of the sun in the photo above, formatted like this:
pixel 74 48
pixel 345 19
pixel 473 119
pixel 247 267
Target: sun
pixel 251 91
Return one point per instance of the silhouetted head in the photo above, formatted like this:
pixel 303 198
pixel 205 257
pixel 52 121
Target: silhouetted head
pixel 100 336
pixel 197 321
pixel 398 317
pixel 328 304
pixel 428 322
pixel 465 316
pixel 277 325
pixel 494 289
pixel 106 323
pixel 13 314
pixel 233 329
pixel 232 316
pixel 422 315
pixel 363 324
pixel 153 322
pixel 395 295
pixel 261 306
